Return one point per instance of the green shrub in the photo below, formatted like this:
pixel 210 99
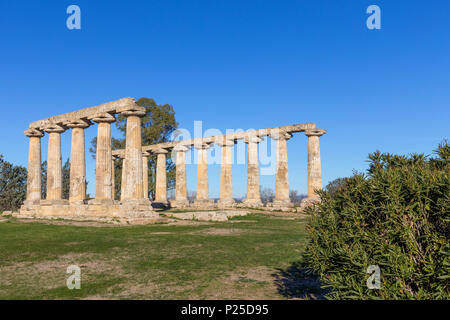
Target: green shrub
pixel 397 217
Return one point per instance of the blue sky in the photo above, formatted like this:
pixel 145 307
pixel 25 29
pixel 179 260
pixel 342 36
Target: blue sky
pixel 237 64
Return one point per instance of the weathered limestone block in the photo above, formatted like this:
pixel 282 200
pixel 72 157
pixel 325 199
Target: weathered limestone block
pixel 226 175
pixel 314 165
pixel 77 193
pixel 253 195
pixel 34 167
pixel 54 166
pixel 207 215
pixel 161 177
pixel 103 169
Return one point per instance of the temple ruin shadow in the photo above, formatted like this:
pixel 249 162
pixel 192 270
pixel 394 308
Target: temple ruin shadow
pixel 295 282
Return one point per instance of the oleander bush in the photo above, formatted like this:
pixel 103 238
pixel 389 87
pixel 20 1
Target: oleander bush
pixel 395 216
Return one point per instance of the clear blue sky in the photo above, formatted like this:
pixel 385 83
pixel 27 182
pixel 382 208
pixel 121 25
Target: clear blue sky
pixel 237 64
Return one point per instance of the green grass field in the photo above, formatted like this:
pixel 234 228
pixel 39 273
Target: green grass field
pixel 251 257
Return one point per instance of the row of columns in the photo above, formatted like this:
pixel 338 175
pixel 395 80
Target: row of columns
pixel 134 184
pixel 226 186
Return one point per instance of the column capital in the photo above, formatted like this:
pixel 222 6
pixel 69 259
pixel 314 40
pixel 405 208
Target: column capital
pixel 252 139
pixel 315 132
pixel 52 128
pixel 225 142
pixel 146 154
pixel 132 111
pixel 202 146
pixel 160 151
pixel 181 148
pixel 32 132
pixel 79 123
pixel 103 117
pixel 280 135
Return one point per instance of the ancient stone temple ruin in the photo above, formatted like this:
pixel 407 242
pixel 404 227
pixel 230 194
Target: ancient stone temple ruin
pixel 134 203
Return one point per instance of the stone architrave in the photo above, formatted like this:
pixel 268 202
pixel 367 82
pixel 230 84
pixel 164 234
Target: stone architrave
pixel 103 168
pixel 54 165
pixel 253 198
pixel 77 192
pixel 281 177
pixel 202 176
pixel 34 167
pixel 314 164
pixel 226 173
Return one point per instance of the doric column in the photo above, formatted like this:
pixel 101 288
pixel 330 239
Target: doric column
pixel 202 176
pixel 34 167
pixel 281 177
pixel 122 179
pixel 161 176
pixel 113 176
pixel 226 175
pixel 133 185
pixel 77 192
pixel 103 165
pixel 145 156
pixel 54 166
pixel 180 179
pixel 314 165
pixel 253 196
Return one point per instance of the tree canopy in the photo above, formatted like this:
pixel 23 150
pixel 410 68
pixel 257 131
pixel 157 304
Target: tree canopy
pixel 13 185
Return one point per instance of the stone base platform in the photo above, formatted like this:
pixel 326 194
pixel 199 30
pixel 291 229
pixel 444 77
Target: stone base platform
pixel 203 204
pixel 282 205
pixel 128 212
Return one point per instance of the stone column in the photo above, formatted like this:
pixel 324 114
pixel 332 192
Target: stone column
pixel 314 165
pixel 34 167
pixel 145 156
pixel 253 196
pixel 161 177
pixel 202 177
pixel 226 175
pixel 281 178
pixel 77 193
pixel 180 179
pixel 103 167
pixel 113 176
pixel 122 179
pixel 54 166
pixel 133 190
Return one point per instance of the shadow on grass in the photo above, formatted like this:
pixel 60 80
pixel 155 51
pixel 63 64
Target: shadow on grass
pixel 295 282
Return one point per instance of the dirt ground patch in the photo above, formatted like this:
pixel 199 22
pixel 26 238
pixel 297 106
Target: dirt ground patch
pixel 248 284
pixel 51 274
